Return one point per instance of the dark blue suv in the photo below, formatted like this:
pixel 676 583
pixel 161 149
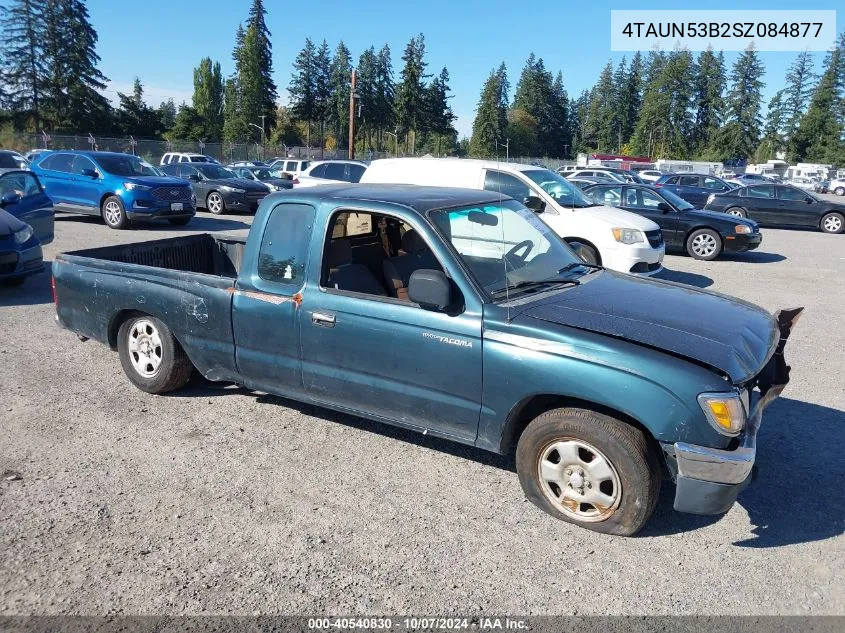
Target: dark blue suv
pixel 118 187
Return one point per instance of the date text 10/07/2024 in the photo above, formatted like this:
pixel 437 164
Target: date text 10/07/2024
pixel 420 624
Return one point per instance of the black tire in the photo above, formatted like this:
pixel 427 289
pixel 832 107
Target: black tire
pixel 586 252
pixel 174 369
pixel 704 244
pixel 839 191
pixel 737 211
pixel 832 223
pixel 623 446
pixel 179 221
pixel 214 203
pixel 12 281
pixel 114 216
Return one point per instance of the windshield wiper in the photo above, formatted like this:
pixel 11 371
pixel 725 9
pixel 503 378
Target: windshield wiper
pixel 575 265
pixel 522 285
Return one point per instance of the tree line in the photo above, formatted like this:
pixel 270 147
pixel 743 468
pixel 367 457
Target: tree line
pixel 665 104
pixel 669 105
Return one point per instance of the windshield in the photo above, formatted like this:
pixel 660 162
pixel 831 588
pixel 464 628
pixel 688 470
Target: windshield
pixel 676 201
pixel 507 248
pixel 126 166
pixel 214 171
pixel 265 174
pixel 564 192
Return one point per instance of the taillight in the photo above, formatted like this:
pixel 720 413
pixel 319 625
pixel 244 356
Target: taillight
pixel 53 288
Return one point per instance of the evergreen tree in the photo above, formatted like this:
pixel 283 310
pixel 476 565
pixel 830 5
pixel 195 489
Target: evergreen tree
pixel 234 127
pixel 208 98
pixel 580 122
pixel 24 67
pixel 773 132
pixel 538 95
pixel 741 133
pixel 491 122
pixel 303 85
pixel 385 95
pixel 167 114
pixel 322 88
pixel 366 87
pixel 251 83
pixel 523 133
pixel 629 100
pixel 819 137
pixel 339 87
pixel 188 125
pixel 800 81
pixel 410 92
pixel 257 13
pixel 559 133
pixel 601 127
pixel 134 116
pixel 439 115
pixel 708 99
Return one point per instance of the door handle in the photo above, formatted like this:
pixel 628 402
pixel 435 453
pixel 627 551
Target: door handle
pixel 322 319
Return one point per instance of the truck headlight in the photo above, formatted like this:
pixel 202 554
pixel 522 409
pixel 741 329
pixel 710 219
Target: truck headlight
pixel 23 235
pixel 628 236
pixel 133 186
pixel 229 189
pixel 742 229
pixel 725 412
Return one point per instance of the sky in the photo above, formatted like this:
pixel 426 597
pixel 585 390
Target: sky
pixel 161 41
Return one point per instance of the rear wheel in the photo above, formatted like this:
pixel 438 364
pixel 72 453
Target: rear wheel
pixel 833 223
pixel 589 469
pixel 738 212
pixel 179 221
pixel 839 191
pixel 151 356
pixel 214 203
pixel 704 244
pixel 114 215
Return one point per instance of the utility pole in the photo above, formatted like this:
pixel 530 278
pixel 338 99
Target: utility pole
pixel 263 141
pixel 395 136
pixel 352 115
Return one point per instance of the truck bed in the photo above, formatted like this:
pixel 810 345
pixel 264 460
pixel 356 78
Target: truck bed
pixel 205 254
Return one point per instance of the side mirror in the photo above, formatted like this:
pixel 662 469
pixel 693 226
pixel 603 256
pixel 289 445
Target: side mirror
pixel 809 200
pixel 431 289
pixel 534 203
pixel 90 173
pixel 665 207
pixel 9 199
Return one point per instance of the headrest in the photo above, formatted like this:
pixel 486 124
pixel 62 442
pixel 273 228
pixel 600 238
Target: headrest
pixel 412 242
pixel 341 253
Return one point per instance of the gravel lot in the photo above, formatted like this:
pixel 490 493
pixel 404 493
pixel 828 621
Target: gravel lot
pixel 218 500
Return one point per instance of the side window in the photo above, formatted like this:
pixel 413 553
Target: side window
pixel 318 172
pixel 60 162
pixel 284 245
pixel 22 183
pixel 304 165
pixel 352 225
pixel 506 184
pixel 335 171
pixel 355 173
pixel 760 191
pixel 170 170
pixel 80 163
pixel 187 170
pixel 291 165
pixel 642 199
pixel 612 196
pixel 790 193
pixel 689 181
pixel 672 180
pixel 712 183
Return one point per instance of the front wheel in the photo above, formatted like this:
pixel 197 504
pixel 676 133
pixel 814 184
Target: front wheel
pixel 833 223
pixel 151 356
pixel 114 215
pixel 704 244
pixel 589 469
pixel 587 253
pixel 839 191
pixel 214 203
pixel 738 212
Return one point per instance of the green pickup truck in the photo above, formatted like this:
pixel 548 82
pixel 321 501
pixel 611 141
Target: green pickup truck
pixel 460 314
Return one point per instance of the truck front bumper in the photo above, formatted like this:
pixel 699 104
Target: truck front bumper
pixel 708 480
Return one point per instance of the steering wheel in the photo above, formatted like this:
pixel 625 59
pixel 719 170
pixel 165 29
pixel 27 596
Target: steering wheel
pixel 528 245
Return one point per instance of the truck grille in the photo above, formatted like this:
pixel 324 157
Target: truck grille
pixel 172 194
pixel 655 238
pixel 256 196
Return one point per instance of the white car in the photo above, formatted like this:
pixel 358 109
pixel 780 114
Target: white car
pixel 292 166
pixel 328 172
pixel 837 186
pixel 802 183
pixel 602 174
pixel 186 157
pixel 613 238
pixel 650 175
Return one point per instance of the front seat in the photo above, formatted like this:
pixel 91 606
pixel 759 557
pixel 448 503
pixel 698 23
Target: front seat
pixel 398 270
pixel 346 275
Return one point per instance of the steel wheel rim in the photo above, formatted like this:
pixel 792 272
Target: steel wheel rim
pixel 215 203
pixel 579 480
pixel 832 224
pixel 704 245
pixel 735 212
pixel 112 212
pixel 145 350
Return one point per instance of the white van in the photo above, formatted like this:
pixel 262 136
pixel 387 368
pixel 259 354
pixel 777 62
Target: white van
pixel 616 239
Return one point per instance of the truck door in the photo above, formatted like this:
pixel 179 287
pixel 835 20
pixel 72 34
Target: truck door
pixel 365 349
pixel 266 304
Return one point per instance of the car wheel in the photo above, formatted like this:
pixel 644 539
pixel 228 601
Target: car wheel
pixel 587 253
pixel 179 221
pixel 839 191
pixel 151 356
pixel 833 223
pixel 589 469
pixel 214 203
pixel 114 215
pixel 738 212
pixel 704 244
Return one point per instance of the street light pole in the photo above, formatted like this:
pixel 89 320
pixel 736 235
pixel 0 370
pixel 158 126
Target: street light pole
pixel 260 127
pixel 396 138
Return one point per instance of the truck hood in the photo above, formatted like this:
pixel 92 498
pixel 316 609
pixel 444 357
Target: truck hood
pixel 726 334
pixel 613 217
pixel 9 224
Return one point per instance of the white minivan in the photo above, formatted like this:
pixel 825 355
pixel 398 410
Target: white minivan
pixel 616 239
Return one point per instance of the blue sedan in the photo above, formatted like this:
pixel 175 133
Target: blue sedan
pixel 26 223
